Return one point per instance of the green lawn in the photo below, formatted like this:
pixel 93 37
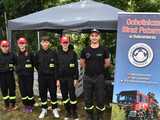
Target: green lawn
pixel 19 115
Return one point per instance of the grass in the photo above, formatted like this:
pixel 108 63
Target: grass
pixel 19 115
pixel 117 113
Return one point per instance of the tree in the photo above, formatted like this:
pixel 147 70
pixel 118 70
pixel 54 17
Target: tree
pixel 1 8
pixel 18 8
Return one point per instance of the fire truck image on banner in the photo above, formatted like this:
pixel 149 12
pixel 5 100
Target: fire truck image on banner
pixel 137 105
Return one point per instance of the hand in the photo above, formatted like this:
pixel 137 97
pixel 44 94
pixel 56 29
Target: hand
pixel 58 83
pixel 75 83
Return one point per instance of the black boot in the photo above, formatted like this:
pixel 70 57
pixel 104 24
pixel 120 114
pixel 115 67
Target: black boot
pixel 99 115
pixel 75 116
pixel 89 115
pixel 68 114
pixel 6 102
pixel 13 106
pixel 74 111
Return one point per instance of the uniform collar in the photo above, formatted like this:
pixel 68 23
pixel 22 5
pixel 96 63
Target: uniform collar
pixel 46 51
pixel 22 53
pixel 4 53
pixel 65 51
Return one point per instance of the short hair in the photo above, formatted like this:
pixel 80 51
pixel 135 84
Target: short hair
pixel 45 38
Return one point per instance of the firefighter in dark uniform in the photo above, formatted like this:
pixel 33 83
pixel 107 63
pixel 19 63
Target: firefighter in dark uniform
pixel 68 76
pixel 25 70
pixel 46 64
pixel 7 80
pixel 94 59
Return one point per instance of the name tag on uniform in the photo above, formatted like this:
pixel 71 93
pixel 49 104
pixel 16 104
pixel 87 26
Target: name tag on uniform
pixel 10 65
pixel 99 54
pixel 71 65
pixel 51 65
pixel 28 65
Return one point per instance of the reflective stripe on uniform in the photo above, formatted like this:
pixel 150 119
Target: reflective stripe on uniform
pixel 11 65
pixel 53 103
pixel 43 103
pixel 30 98
pixel 6 97
pixel 66 101
pixel 51 65
pixel 28 65
pixel 24 98
pixel 73 102
pixel 12 97
pixel 71 65
pixel 89 108
pixel 101 109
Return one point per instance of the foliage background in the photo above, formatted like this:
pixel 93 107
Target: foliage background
pixel 16 8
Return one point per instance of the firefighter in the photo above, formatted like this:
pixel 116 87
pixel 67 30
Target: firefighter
pixel 46 64
pixel 94 59
pixel 68 77
pixel 7 80
pixel 25 70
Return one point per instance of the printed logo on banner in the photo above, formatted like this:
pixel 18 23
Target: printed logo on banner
pixel 140 55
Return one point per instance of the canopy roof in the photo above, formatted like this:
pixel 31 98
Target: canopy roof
pixel 86 14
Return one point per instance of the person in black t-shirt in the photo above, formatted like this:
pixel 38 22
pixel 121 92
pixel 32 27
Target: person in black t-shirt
pixel 94 59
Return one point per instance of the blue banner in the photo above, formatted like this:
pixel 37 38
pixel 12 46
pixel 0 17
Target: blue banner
pixel 137 74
